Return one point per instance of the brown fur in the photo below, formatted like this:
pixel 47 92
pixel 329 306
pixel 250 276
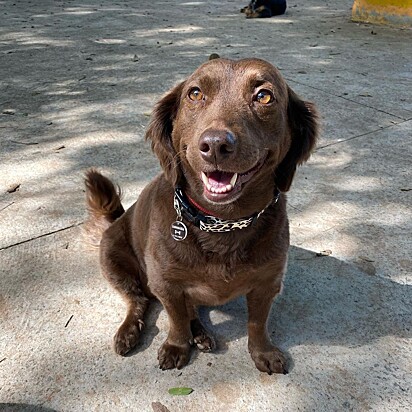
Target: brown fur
pixel 104 205
pixel 139 257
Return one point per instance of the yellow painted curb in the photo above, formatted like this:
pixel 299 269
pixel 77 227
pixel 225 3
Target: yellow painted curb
pixel 393 12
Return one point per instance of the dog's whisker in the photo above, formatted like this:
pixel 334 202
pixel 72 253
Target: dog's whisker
pixel 175 160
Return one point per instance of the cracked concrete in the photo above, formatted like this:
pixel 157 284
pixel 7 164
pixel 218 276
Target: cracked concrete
pixel 77 84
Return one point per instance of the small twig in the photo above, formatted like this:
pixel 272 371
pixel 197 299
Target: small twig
pixel 24 143
pixel 71 317
pixel 41 236
pixel 5 207
pixel 294 207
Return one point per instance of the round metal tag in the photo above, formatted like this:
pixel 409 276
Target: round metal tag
pixel 178 231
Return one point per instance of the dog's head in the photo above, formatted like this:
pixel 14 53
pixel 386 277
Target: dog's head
pixel 232 130
pixel 254 4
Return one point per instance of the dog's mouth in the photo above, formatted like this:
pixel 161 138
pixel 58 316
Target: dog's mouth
pixel 222 186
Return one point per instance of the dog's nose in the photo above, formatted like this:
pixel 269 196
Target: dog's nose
pixel 217 145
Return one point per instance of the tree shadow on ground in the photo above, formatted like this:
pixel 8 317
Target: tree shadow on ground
pixel 325 302
pixel 75 81
pixel 23 407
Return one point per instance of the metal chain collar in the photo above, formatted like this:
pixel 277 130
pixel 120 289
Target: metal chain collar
pixel 211 223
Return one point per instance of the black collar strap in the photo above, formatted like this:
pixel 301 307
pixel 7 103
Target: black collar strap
pixel 207 223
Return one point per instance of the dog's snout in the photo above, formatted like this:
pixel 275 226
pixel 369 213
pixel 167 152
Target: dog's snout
pixel 217 145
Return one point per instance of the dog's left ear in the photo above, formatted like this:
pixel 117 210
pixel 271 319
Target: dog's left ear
pixel 160 130
pixel 304 128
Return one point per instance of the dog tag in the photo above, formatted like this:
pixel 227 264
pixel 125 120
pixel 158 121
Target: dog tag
pixel 178 230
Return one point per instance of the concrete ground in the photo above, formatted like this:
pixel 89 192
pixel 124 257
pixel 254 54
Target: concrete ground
pixel 77 83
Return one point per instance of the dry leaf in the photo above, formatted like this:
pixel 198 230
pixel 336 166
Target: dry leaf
pixel 158 407
pixel 326 252
pixel 13 188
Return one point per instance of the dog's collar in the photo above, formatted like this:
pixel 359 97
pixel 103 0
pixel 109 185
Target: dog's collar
pixel 185 209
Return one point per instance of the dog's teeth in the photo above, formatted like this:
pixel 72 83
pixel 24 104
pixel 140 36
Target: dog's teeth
pixel 233 181
pixel 218 189
pixel 205 179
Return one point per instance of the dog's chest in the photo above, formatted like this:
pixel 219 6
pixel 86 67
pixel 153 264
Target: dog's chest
pixel 217 284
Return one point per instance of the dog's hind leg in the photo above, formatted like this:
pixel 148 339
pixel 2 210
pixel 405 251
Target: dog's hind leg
pixel 201 337
pixel 121 268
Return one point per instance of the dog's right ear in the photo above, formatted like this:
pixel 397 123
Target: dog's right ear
pixel 160 130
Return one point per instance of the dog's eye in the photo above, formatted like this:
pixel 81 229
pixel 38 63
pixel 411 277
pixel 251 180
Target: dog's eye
pixel 195 94
pixel 264 97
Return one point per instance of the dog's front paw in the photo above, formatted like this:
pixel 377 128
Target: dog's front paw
pixel 270 360
pixel 173 356
pixel 127 337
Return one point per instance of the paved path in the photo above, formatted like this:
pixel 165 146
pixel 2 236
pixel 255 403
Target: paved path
pixel 77 83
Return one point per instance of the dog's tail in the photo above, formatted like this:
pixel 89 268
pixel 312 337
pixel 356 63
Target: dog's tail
pixel 103 203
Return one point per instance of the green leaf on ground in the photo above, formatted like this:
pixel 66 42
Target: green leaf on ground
pixel 180 391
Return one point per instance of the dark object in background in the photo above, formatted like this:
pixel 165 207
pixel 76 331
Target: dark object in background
pixel 264 8
pixel 214 56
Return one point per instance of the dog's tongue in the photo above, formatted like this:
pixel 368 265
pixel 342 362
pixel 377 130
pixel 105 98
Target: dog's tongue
pixel 219 179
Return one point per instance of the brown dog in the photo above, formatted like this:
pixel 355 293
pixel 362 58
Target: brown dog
pixel 213 225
